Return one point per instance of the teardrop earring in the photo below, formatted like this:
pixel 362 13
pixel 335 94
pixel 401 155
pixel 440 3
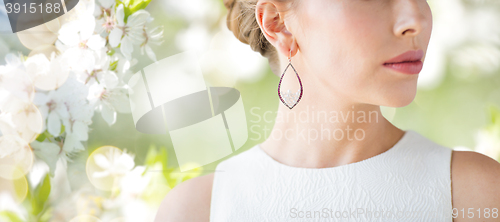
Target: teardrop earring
pixel 290 99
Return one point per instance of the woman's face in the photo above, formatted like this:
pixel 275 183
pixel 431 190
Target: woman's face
pixel 343 44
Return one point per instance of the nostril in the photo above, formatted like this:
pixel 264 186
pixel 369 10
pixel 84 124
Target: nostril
pixel 409 30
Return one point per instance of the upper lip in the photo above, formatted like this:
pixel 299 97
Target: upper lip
pixel 409 56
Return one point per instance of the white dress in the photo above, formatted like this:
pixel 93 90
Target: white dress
pixel 409 182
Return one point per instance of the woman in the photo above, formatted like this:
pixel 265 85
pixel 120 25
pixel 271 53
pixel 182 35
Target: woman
pixel 352 56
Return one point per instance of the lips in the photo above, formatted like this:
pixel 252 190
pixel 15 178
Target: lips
pixel 409 56
pixel 408 62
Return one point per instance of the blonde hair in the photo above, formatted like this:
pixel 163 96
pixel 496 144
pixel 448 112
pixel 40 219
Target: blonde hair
pixel 242 22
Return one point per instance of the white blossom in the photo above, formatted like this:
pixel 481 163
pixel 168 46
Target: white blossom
pixel 106 3
pixel 153 37
pixel 123 68
pixel 100 74
pixel 127 34
pixel 47 103
pixel 80 43
pixel 67 106
pixel 15 153
pixel 23 119
pixel 47 74
pixel 114 162
pixel 105 16
pixel 15 84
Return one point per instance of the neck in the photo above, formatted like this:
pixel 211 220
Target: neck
pixel 327 131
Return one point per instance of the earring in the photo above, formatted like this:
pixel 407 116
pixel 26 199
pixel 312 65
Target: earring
pixel 290 99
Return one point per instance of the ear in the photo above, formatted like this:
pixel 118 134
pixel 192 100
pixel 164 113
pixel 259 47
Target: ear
pixel 271 22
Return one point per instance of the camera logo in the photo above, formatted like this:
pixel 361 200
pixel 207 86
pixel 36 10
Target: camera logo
pixel 19 15
pixel 205 124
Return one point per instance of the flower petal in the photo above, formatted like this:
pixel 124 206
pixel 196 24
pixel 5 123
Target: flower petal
pixel 115 36
pixel 7 126
pixel 79 146
pixel 86 26
pixel 120 15
pixel 120 101
pixel 12 60
pixel 54 124
pixel 80 59
pixel 35 120
pixel 100 174
pixel 139 18
pixel 72 144
pixel 80 130
pixel 127 48
pixel 125 162
pixel 62 111
pixel 106 3
pixel 102 161
pixel 57 75
pixel 150 52
pixel 108 114
pixel 108 79
pixel 40 99
pixel 68 33
pixel 96 42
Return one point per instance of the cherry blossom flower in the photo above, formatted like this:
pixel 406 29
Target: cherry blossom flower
pixel 48 99
pixel 18 115
pixel 126 34
pixel 114 163
pixel 104 93
pixel 26 121
pixel 153 37
pixel 111 101
pixel 106 3
pixel 100 74
pixel 16 157
pixel 47 74
pixel 15 83
pixel 67 106
pixel 79 43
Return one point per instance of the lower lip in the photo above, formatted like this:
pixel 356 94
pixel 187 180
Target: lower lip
pixel 406 67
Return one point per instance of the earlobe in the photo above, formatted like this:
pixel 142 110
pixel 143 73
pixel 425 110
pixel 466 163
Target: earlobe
pixel 286 31
pixel 294 48
pixel 290 49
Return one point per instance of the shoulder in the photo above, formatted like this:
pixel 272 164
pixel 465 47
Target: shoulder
pixel 475 184
pixel 188 201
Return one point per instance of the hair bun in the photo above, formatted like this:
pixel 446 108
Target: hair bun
pixel 229 4
pixel 234 17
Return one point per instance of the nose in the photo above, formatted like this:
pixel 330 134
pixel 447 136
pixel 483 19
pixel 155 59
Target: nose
pixel 411 18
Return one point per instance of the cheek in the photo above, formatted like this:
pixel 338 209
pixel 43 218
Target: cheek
pixel 429 26
pixel 341 42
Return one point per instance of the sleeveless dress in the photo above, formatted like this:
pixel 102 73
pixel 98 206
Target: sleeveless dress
pixel 409 182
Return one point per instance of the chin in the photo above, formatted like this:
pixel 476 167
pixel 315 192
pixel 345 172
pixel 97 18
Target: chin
pixel 400 99
pixel 401 95
pixel 396 97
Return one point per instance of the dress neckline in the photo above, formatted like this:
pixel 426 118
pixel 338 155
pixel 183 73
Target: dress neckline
pixel 406 136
